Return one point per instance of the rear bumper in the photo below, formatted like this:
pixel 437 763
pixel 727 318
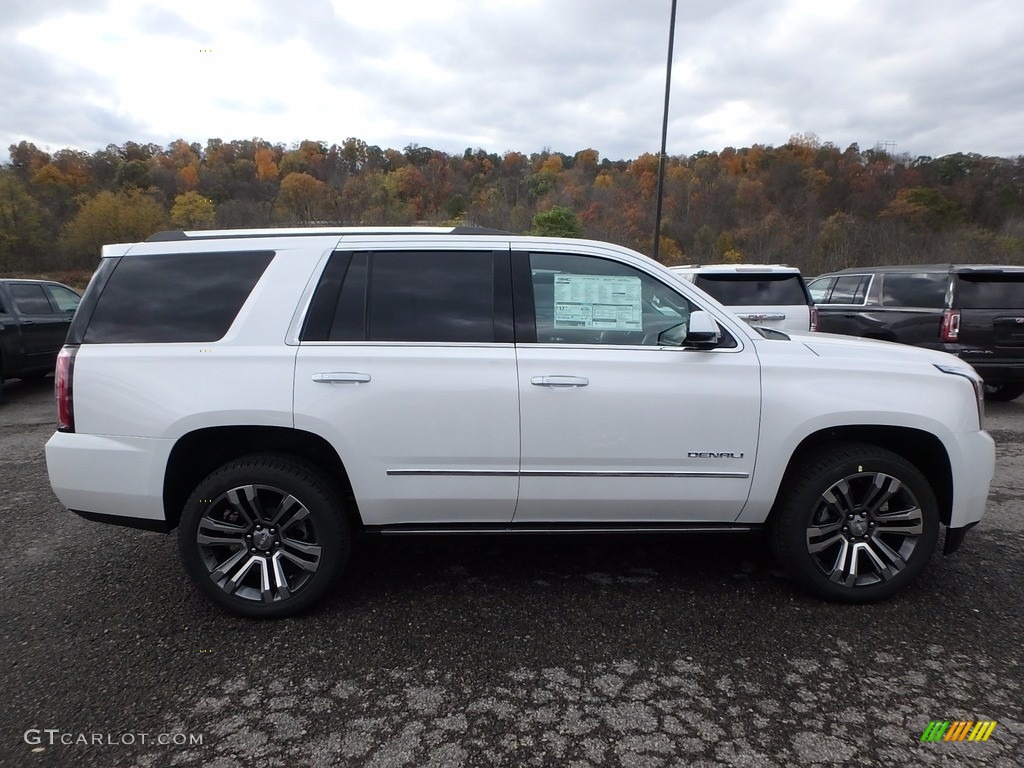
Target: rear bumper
pixel 113 479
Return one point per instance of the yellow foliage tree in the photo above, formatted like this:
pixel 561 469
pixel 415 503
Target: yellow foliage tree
pixel 192 211
pixel 120 217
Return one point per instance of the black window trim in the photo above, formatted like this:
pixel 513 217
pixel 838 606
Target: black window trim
pixel 503 322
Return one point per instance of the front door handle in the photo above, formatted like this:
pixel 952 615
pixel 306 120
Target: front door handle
pixel 560 381
pixel 341 378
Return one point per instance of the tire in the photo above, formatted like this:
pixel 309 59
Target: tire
pixel 264 536
pixel 1001 393
pixel 856 524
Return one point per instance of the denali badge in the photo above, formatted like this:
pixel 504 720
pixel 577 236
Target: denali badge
pixel 713 455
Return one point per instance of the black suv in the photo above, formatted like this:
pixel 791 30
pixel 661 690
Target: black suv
pixel 34 320
pixel 974 311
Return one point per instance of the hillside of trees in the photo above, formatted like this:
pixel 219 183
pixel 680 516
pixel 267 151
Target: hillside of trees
pixel 807 203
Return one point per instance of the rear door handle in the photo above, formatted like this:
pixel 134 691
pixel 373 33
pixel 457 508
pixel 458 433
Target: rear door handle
pixel 560 381
pixel 341 378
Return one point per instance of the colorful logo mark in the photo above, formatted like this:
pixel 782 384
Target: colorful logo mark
pixel 958 730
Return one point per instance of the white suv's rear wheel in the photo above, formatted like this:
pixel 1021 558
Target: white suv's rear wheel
pixel 263 536
pixel 856 524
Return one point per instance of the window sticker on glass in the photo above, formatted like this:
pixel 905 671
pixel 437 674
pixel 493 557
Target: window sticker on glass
pixel 603 302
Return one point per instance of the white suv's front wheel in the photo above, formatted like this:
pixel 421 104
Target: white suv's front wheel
pixel 263 536
pixel 856 524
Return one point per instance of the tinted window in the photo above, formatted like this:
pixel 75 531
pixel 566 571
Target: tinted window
pixel 587 300
pixel 65 299
pixel 849 289
pixel 921 289
pixel 991 291
pixel 440 296
pixel 739 290
pixel 30 299
pixel 413 296
pixel 175 297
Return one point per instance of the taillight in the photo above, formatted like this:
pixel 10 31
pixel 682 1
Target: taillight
pixel 950 330
pixel 64 389
pixel 814 318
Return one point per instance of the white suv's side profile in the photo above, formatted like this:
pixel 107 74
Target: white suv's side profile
pixel 766 295
pixel 269 393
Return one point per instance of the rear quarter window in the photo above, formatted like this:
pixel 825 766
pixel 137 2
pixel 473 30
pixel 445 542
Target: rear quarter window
pixel 191 297
pixel 737 290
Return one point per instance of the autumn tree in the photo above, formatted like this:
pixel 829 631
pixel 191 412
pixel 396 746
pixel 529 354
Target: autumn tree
pixel 302 198
pixel 193 211
pixel 110 217
pixel 23 239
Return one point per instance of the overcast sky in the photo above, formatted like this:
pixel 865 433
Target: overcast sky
pixel 928 78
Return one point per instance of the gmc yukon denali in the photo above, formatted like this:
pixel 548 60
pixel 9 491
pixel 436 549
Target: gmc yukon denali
pixel 272 393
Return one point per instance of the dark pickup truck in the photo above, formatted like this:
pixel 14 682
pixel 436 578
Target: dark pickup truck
pixel 974 311
pixel 34 320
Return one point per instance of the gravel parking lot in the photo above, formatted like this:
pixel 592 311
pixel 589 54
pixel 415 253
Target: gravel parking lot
pixel 554 651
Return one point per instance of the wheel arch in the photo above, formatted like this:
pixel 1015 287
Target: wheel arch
pixel 922 449
pixel 196 454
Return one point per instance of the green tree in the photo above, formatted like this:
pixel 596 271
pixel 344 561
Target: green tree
pixel 192 211
pixel 110 218
pixel 557 222
pixel 22 236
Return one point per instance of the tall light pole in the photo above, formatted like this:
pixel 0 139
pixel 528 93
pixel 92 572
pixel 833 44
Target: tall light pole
pixel 664 131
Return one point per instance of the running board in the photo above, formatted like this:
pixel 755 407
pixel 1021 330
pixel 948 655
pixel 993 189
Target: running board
pixel 535 529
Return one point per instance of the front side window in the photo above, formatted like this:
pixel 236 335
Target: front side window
pixel 849 289
pixel 819 289
pixel 589 300
pixel 65 299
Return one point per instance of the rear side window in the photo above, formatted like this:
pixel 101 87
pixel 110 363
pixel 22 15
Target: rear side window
pixel 191 297
pixel 30 299
pixel 739 290
pixel 991 291
pixel 410 296
pixel 921 289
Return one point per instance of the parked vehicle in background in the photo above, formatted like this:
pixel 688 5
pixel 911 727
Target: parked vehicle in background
pixel 973 311
pixel 299 386
pixel 34 320
pixel 766 295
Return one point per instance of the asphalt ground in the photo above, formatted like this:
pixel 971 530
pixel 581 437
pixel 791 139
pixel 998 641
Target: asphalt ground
pixel 514 652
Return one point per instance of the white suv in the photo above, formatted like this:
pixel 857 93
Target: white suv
pixel 271 393
pixel 765 295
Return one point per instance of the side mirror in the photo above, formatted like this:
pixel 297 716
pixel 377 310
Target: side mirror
pixel 702 332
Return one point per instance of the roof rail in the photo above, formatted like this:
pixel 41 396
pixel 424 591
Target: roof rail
pixel 178 235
